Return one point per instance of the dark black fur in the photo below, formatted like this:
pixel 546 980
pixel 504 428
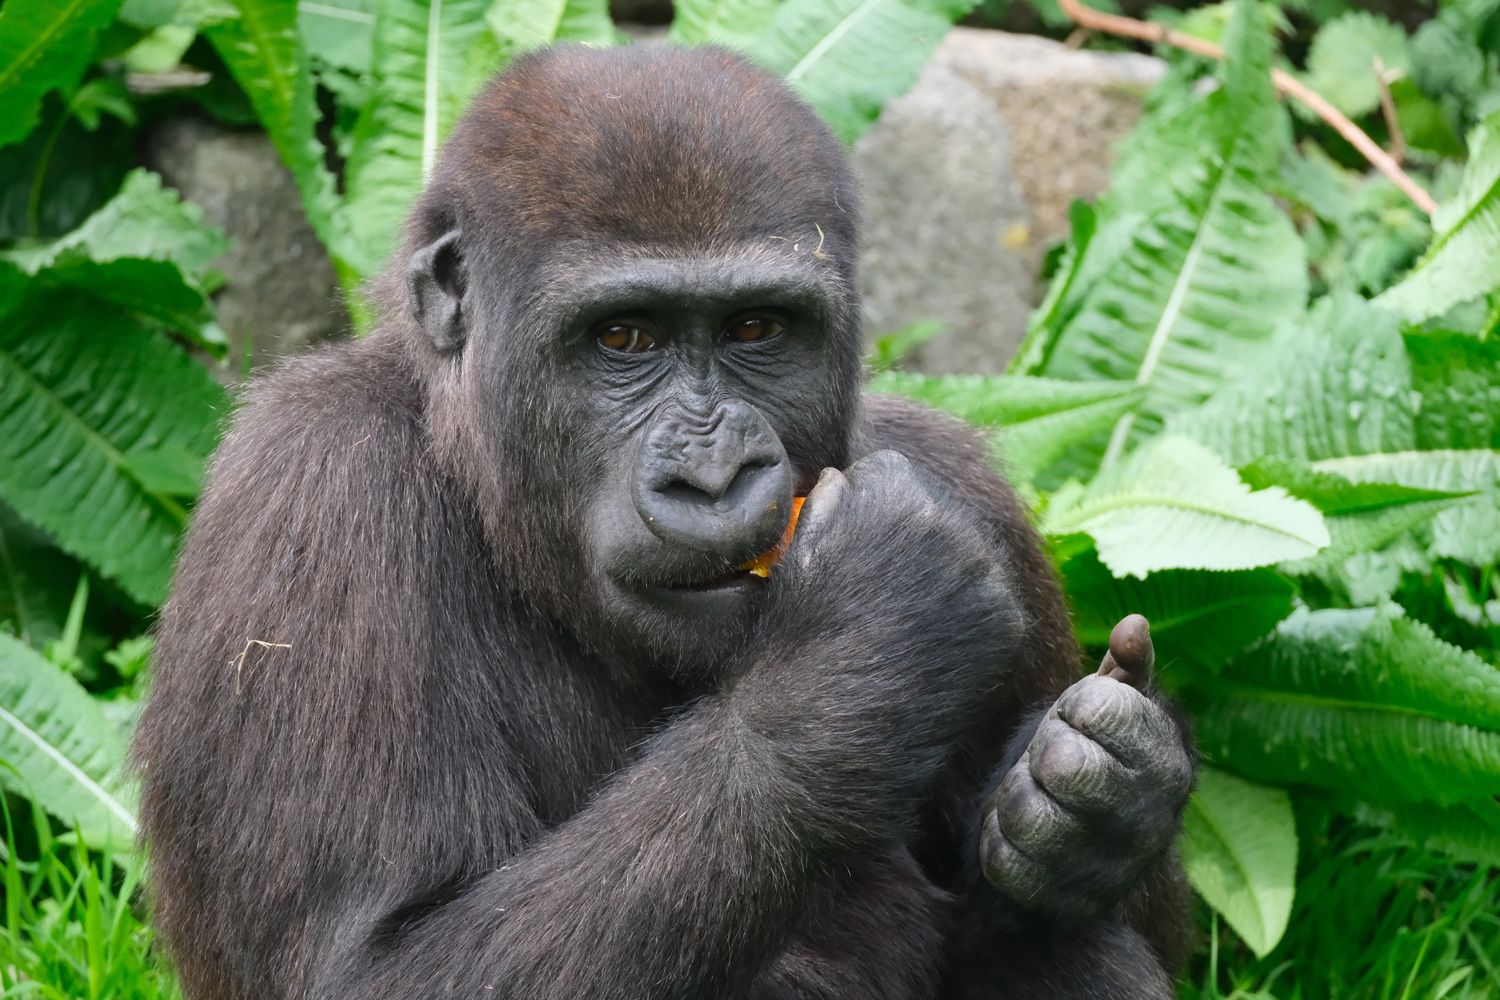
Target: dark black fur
pixel 413 732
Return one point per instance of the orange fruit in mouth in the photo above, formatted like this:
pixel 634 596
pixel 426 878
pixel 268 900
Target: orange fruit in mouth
pixel 761 565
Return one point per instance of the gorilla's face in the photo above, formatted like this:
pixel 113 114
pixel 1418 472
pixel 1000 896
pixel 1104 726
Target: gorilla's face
pixel 705 394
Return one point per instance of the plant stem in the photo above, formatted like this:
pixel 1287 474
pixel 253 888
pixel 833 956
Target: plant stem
pixel 1129 27
pixel 34 203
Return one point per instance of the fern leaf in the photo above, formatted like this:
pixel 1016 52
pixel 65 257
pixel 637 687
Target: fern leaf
pixel 66 755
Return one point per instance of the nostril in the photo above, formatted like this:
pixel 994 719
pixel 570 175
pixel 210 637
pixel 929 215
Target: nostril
pixel 728 492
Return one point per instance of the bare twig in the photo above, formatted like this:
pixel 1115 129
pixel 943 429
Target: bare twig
pixel 1129 27
pixel 1383 80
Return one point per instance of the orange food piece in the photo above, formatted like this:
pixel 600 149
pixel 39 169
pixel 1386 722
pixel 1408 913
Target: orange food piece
pixel 761 564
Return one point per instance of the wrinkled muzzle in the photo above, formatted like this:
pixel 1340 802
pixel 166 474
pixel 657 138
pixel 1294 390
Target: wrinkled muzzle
pixel 718 482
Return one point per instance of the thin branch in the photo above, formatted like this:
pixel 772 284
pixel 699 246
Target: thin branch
pixel 1146 31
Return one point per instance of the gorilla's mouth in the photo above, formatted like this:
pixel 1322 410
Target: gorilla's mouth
pixel 735 579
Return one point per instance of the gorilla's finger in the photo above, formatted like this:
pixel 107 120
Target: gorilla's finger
pixel 819 511
pixel 1004 866
pixel 1031 819
pixel 1119 718
pixel 1131 655
pixel 1076 771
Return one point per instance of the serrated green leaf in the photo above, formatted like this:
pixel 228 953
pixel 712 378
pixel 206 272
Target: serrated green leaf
pixel 83 387
pixel 1341 62
pixel 1335 382
pixel 264 52
pixel 1210 268
pixel 1464 259
pixel 152 289
pixel 420 53
pixel 733 23
pixel 1239 850
pixel 847 57
pixel 521 25
pixel 1367 702
pixel 1199 618
pixel 1470 530
pixel 1458 377
pixel 1176 505
pixel 1042 418
pixel 892 347
pixel 66 755
pixel 1332 493
pixel 143 220
pixel 44 45
pixel 1468 831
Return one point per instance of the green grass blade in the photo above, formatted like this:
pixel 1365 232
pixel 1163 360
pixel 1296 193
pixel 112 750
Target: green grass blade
pixel 1239 850
pixel 44 45
pixel 66 755
pixel 1176 505
pixel 82 389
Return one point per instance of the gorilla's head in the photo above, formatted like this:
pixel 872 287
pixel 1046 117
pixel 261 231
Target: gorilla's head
pixel 633 284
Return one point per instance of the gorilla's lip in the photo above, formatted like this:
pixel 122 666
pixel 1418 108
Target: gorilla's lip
pixel 735 583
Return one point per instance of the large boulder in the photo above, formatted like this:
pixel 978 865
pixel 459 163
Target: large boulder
pixel 280 292
pixel 967 181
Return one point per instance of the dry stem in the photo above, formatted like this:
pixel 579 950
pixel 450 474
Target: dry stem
pixel 1148 32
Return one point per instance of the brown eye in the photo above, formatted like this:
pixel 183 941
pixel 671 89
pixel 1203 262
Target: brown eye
pixel 748 331
pixel 627 338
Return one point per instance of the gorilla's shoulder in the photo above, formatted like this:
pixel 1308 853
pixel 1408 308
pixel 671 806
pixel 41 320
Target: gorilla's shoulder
pixel 942 444
pixel 356 380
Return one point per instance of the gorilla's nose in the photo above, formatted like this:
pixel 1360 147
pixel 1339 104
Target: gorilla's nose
pixel 719 482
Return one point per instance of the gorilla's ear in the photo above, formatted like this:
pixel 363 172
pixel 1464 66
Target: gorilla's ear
pixel 436 278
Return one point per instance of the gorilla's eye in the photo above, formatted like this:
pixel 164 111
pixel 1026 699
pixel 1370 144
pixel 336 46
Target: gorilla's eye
pixel 748 331
pixel 626 337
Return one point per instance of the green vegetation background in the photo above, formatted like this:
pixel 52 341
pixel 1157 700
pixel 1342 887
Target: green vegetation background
pixel 1260 404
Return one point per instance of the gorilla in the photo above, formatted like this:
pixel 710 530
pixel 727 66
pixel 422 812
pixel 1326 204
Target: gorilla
pixel 461 689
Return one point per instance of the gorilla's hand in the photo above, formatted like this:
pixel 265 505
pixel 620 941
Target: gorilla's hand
pixel 1098 794
pixel 888 627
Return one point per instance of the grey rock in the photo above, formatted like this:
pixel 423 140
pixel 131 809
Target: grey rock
pixel 940 202
pixel 967 181
pixel 280 291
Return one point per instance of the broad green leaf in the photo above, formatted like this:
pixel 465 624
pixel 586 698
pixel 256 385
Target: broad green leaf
pixel 66 754
pixel 587 21
pixel 1458 378
pixel 520 25
pixel 1341 62
pixel 1176 505
pixel 1199 618
pixel 338 31
pixel 1362 518
pixel 144 220
pixel 1239 850
pixel 1366 702
pixel 37 581
pixel 847 57
pixel 720 22
pixel 44 45
pixel 1211 266
pixel 1042 418
pixel 1469 831
pixel 1336 382
pixel 420 52
pixel 1464 259
pixel 83 388
pixel 152 289
pixel 1470 530
pixel 264 52
pixel 1047 319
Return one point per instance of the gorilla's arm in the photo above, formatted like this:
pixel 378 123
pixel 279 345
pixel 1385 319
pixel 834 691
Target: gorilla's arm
pixel 991 930
pixel 368 805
